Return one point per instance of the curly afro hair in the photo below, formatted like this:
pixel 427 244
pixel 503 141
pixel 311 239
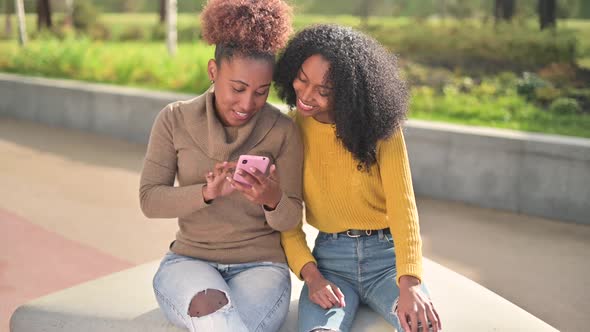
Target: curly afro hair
pixel 369 98
pixel 254 28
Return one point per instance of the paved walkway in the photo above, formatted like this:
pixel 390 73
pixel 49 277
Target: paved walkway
pixel 69 212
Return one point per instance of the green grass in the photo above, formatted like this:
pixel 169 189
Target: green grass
pixel 581 28
pixel 144 65
pixel 507 111
pixel 468 45
pixel 584 63
pixel 147 65
pixel 118 21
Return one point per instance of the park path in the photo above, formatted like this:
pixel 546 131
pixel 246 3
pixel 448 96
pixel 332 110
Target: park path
pixel 69 213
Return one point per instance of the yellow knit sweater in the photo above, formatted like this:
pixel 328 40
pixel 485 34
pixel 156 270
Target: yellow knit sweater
pixel 338 197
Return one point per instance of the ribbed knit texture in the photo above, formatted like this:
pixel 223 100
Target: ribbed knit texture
pixel 338 196
pixel 186 142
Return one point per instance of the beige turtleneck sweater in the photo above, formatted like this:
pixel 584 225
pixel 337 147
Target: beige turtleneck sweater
pixel 186 141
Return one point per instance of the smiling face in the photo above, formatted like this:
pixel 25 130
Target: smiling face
pixel 241 88
pixel 314 92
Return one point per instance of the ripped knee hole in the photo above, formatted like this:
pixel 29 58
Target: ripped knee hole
pixel 207 302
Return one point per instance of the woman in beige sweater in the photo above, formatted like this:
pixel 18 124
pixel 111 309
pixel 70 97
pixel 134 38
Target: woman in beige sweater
pixel 226 270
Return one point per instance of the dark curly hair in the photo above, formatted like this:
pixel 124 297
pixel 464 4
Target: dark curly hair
pixel 252 28
pixel 369 98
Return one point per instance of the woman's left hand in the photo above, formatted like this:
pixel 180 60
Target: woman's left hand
pixel 414 307
pixel 259 188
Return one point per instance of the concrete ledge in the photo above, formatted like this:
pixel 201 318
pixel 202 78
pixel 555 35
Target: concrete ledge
pixel 120 112
pixel 542 175
pixel 124 301
pixel 535 174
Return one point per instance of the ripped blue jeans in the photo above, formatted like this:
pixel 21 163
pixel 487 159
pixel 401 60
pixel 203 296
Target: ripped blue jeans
pixel 364 270
pixel 258 293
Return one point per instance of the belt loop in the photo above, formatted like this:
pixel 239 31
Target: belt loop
pixel 380 232
pixel 334 236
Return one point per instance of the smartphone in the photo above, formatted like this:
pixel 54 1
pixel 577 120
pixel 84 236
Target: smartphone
pixel 246 161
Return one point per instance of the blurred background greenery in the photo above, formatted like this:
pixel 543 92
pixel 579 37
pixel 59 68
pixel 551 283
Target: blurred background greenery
pixel 478 62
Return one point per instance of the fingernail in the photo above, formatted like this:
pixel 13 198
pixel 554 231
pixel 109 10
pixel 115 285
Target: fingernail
pixel 252 169
pixel 228 178
pixel 240 172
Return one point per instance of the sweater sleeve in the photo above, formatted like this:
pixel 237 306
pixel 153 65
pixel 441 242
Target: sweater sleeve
pixel 402 212
pixel 296 249
pixel 289 167
pixel 159 198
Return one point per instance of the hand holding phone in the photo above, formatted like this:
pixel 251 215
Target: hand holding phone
pixel 257 181
pixel 248 161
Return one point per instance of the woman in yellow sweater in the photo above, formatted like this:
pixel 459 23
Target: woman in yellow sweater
pixel 357 185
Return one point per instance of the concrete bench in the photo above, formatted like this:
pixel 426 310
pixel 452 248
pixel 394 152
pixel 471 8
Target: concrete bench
pixel 124 301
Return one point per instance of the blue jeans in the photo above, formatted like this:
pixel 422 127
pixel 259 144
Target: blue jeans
pixel 364 270
pixel 258 293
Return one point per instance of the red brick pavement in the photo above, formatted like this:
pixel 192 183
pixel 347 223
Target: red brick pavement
pixel 35 262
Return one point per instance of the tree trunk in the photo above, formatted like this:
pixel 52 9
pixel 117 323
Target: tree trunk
pixel 584 9
pixel 162 11
pixel 171 11
pixel 504 10
pixel 20 14
pixel 69 18
pixel 497 10
pixel 130 6
pixel 69 13
pixel 8 9
pixel 547 13
pixel 365 11
pixel 443 10
pixel 509 8
pixel 43 14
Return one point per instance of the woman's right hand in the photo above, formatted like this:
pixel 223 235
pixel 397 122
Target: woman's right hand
pixel 217 185
pixel 321 291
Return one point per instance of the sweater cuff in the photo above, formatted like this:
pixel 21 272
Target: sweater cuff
pixel 414 270
pixel 298 264
pixel 282 217
pixel 201 203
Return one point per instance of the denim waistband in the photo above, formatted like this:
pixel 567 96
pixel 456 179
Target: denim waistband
pixel 354 233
